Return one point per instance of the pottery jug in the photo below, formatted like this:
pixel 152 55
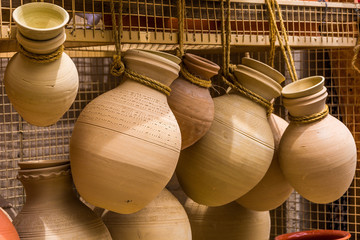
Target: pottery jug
pixel 52 210
pixel 317 158
pixel 230 222
pixel 41 92
pixel 126 142
pixel 237 151
pixel 7 229
pixel 162 219
pixel 315 235
pixel 273 189
pixel 192 104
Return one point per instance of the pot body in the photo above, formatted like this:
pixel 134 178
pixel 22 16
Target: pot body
pixel 273 189
pixel 161 218
pixel 230 222
pixel 232 157
pixel 41 92
pixel 52 211
pixel 7 229
pixel 126 142
pixel 316 235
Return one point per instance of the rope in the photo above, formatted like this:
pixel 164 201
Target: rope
pixel 42 58
pixel 272 36
pixel 289 61
pixel 356 50
pixel 181 16
pixel 117 67
pixel 193 79
pixel 310 118
pixel 147 81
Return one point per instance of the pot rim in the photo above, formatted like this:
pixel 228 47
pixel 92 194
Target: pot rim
pixel 318 232
pixel 303 87
pixel 263 68
pixel 36 164
pixel 54 7
pixel 168 56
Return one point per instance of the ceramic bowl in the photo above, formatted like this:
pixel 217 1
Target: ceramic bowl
pixel 303 87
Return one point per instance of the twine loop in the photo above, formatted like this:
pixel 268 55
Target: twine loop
pixel 42 58
pixel 193 79
pixel 147 81
pixel 117 67
pixel 310 118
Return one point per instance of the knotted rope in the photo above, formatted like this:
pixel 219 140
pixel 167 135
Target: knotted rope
pixel 356 49
pixel 117 67
pixel 310 118
pixel 42 58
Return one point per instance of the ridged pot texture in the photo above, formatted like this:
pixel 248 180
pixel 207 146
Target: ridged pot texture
pixel 126 142
pixel 162 219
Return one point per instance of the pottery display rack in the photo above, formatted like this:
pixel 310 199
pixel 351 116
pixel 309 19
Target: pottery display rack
pixel 321 33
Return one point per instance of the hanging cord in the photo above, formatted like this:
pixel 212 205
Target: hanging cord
pixel 228 69
pixel 289 60
pixel 117 67
pixel 272 38
pixel 310 118
pixel 42 58
pixel 357 47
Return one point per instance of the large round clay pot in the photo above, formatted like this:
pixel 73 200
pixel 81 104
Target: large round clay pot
pixel 230 222
pixel 237 151
pixel 315 235
pixel 7 229
pixel 317 158
pixel 162 219
pixel 52 210
pixel 192 104
pixel 126 142
pixel 273 189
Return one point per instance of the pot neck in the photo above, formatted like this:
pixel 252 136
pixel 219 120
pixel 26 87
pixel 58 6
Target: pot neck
pixel 200 67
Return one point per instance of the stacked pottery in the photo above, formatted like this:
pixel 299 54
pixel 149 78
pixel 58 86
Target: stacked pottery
pixel 126 143
pixel 52 210
pixel 7 230
pixel 41 90
pixel 237 151
pixel 230 222
pixel 191 103
pixel 162 219
pixel 318 158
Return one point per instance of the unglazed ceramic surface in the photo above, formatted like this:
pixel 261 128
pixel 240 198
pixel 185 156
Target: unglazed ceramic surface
pixel 316 235
pixel 52 211
pixel 7 229
pixel 163 218
pixel 304 87
pixel 273 189
pixel 263 68
pixel 191 104
pixel 41 93
pixel 230 222
pixel 126 142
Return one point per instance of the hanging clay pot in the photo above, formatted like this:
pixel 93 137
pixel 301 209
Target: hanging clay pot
pixel 126 142
pixel 41 92
pixel 7 229
pixel 230 222
pixel 52 210
pixel 237 151
pixel 315 235
pixel 317 158
pixel 273 189
pixel 192 104
pixel 162 219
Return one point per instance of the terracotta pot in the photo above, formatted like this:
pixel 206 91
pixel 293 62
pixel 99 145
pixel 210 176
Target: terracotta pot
pixel 39 20
pixel 7 230
pixel 318 158
pixel 191 104
pixel 52 210
pixel 315 235
pixel 230 222
pixel 273 189
pixel 129 136
pixel 162 219
pixel 234 155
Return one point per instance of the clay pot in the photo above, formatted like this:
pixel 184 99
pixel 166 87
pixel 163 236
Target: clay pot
pixel 315 235
pixel 317 158
pixel 191 104
pixel 52 210
pixel 127 136
pixel 273 189
pixel 230 222
pixel 237 151
pixel 161 218
pixel 7 230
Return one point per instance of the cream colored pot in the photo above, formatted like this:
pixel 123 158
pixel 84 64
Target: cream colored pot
pixel 52 211
pixel 163 218
pixel 317 158
pixel 273 189
pixel 236 152
pixel 126 142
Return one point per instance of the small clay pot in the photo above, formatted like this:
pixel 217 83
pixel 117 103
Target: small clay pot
pixel 315 235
